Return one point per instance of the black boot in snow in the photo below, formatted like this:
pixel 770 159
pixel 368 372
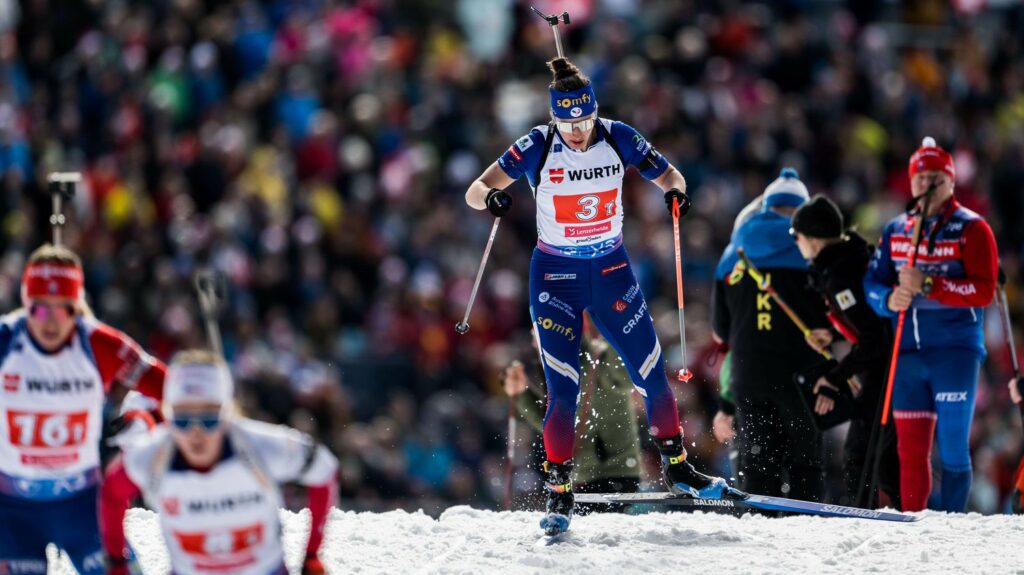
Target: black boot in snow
pixel 561 501
pixel 683 479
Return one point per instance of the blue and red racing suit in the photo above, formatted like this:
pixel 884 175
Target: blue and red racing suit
pixel 51 411
pixel 579 263
pixel 942 345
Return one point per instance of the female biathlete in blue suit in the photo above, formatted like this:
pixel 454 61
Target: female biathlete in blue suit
pixel 576 166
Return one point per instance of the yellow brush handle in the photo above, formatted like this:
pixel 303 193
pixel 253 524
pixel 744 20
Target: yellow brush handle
pixel 762 282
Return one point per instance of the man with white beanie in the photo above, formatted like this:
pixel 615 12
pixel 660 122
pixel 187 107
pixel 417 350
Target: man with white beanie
pixel 780 450
pixel 213 477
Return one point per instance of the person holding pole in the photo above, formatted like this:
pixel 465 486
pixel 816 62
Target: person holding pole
pixel 576 166
pixel 781 451
pixel 59 366
pixel 839 260
pixel 933 273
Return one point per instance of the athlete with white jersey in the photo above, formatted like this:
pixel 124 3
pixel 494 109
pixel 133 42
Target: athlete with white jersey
pixel 576 166
pixel 58 365
pixel 214 478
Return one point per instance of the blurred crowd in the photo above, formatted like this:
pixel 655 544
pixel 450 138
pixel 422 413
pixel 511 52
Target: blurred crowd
pixel 317 151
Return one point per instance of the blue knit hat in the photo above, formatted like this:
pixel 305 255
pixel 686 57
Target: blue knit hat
pixel 786 190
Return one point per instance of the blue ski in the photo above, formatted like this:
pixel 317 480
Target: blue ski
pixel 751 502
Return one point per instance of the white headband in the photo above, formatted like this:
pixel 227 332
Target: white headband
pixel 197 382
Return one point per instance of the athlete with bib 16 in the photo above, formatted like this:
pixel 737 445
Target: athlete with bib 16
pixel 576 166
pixel 58 365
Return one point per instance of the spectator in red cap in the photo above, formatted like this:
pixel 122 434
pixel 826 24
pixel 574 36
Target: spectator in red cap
pixel 942 346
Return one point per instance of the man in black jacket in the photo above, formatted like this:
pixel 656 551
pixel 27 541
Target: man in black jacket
pixel 838 264
pixel 780 450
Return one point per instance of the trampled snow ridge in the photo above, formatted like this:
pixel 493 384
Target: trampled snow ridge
pixel 466 540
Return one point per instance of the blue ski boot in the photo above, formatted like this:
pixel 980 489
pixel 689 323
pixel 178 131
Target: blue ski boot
pixel 682 479
pixel 561 501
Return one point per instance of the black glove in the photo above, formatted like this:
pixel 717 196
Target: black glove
pixel 498 202
pixel 117 565
pixel 684 201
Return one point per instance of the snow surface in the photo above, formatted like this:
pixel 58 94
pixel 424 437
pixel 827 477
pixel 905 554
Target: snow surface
pixel 466 540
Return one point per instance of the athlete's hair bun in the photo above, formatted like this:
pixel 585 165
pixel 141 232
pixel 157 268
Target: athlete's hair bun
pixel 563 68
pixel 567 77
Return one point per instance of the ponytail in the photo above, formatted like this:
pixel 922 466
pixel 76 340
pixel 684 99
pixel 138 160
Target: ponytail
pixel 566 77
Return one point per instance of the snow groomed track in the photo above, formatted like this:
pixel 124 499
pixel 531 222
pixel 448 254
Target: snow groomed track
pixel 465 540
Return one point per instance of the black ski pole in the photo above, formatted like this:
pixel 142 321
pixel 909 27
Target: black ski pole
pixel 872 457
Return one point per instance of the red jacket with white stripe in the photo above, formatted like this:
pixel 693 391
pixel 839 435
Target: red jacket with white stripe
pixel 959 252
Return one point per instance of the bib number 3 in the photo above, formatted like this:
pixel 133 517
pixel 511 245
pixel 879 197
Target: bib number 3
pixel 585 208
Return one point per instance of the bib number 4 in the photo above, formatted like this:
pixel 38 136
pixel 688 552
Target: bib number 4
pixel 221 549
